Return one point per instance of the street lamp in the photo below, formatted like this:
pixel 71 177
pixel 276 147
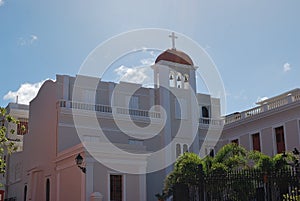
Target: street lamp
pixel 79 162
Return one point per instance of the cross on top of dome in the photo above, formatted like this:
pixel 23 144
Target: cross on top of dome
pixel 173 40
pixel 174 55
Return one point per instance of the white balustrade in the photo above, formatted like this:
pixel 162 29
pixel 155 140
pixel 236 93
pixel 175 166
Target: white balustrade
pixel 107 109
pixel 267 106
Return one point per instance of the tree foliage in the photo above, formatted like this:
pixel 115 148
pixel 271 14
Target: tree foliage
pixel 184 172
pixel 6 146
pixel 229 158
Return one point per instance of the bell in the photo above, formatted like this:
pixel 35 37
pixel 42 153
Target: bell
pixel 186 79
pixel 171 77
pixel 178 79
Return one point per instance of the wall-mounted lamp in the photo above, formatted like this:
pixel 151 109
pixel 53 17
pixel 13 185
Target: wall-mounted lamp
pixel 79 162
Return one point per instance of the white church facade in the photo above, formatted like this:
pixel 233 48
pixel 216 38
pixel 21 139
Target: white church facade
pixel 61 127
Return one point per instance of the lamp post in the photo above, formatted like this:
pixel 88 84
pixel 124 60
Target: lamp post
pixel 79 162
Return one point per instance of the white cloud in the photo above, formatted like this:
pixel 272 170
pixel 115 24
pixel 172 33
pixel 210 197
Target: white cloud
pixel 134 75
pixel 286 67
pixel 1 2
pixel 29 40
pixel 148 61
pixel 33 38
pixel 25 93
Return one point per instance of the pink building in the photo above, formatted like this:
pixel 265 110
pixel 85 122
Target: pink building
pixel 272 127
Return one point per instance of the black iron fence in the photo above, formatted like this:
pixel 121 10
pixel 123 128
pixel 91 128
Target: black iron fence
pixel 243 185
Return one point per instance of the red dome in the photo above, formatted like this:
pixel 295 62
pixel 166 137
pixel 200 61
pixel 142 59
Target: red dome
pixel 176 56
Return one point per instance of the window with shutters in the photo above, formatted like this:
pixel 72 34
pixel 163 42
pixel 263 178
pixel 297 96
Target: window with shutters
pixel 116 188
pixel 279 135
pixel 22 127
pixel 256 142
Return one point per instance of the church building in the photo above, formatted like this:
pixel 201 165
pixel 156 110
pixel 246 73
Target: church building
pixel 90 139
pixel 124 137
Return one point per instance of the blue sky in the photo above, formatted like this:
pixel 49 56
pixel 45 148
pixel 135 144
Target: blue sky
pixel 254 44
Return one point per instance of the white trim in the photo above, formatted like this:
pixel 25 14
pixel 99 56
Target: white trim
pixel 89 176
pixel 284 136
pixel 274 143
pixel 260 141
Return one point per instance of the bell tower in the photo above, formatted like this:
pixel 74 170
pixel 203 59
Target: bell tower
pixel 174 69
pixel 175 90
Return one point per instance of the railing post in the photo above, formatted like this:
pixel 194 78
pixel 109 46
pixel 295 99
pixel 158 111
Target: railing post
pixel 243 115
pixel 289 98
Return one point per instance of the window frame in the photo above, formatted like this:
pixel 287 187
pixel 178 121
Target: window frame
pixel 123 187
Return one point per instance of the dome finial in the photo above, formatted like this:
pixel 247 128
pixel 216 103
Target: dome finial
pixel 173 40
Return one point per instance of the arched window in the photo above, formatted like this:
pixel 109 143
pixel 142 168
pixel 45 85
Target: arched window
pixel 48 190
pixel 205 112
pixel 185 148
pixel 172 79
pixel 25 192
pixel 179 80
pixel 186 81
pixel 178 150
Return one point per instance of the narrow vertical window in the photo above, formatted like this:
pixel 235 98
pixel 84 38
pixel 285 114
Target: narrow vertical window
pixel 212 152
pixel 279 134
pixel 179 81
pixel 185 148
pixel 172 79
pixel 186 81
pixel 178 150
pixel 256 142
pixel 48 190
pixel 205 112
pixel 25 192
pixel 116 188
